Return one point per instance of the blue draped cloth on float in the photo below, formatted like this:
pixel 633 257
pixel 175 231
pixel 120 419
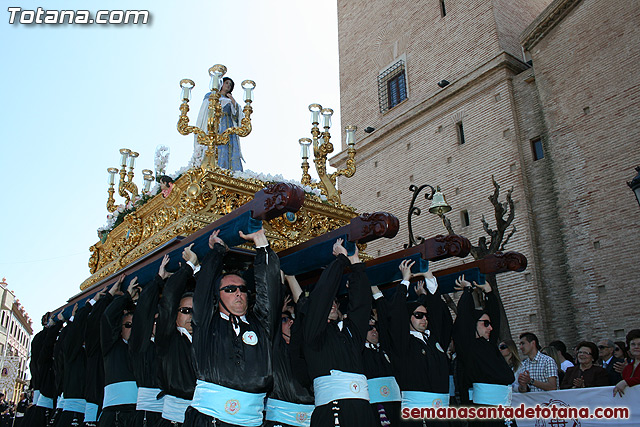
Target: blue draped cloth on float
pixel 228 233
pixel 313 257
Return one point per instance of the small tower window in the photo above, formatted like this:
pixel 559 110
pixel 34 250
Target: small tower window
pixel 443 9
pixel 460 131
pixel 464 218
pixel 536 148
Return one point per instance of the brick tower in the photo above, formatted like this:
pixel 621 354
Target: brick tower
pixel 449 90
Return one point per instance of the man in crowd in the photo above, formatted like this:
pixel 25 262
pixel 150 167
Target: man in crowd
pixel 173 339
pixel 333 347
pixel 142 349
pixel 539 371
pixel 420 333
pixel 605 350
pixel 120 390
pixel 475 334
pixel 232 344
pixel 75 361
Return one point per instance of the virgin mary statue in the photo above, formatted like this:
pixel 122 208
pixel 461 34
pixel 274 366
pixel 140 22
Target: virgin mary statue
pixel 229 155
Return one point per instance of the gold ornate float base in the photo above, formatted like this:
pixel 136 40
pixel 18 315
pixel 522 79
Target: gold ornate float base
pixel 198 198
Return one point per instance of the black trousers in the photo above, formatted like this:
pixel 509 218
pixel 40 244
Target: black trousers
pixel 147 419
pixel 118 416
pixel 347 412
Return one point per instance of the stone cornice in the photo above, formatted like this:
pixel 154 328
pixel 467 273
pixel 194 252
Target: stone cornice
pixel 546 21
pixel 380 139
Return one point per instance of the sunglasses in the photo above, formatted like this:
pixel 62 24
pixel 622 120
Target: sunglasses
pixel 186 310
pixel 372 327
pixel 586 353
pixel 127 325
pixel 503 347
pixel 419 315
pixel 285 319
pixel 232 288
pixel 617 349
pixel 602 347
pixel 486 323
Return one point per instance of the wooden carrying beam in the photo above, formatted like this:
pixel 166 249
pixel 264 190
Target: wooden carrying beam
pixel 316 253
pixel 268 203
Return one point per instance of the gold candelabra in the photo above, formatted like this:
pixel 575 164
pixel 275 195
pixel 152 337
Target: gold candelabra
pixel 211 138
pixel 321 150
pixel 126 187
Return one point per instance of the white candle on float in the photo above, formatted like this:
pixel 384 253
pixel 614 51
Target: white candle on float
pixel 124 156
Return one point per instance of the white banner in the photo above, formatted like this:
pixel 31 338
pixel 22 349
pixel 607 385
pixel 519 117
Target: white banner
pixel 593 398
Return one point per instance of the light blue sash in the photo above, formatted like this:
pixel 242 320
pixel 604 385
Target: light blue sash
pixel 147 400
pixel 229 405
pixel 492 394
pixel 45 402
pixel 340 385
pixel 122 393
pixel 60 402
pixel 36 396
pixel 74 405
pixel 383 389
pixel 294 414
pixel 91 413
pixel 424 399
pixel 174 408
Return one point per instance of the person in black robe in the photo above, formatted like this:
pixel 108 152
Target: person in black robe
pixel 21 410
pixel 290 403
pixel 58 370
pixel 476 335
pixel 173 340
pixel 333 347
pixel 94 374
pixel 120 390
pixel 420 334
pixel 34 411
pixel 385 404
pixel 232 345
pixel 75 361
pixel 142 350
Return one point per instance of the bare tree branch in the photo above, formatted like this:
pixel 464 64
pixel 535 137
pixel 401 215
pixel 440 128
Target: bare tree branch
pixel 447 225
pixel 506 240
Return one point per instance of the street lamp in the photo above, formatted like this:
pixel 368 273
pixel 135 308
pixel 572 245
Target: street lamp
pixel 439 206
pixel 635 184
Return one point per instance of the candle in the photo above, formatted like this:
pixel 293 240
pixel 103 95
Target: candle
pixel 351 135
pixel 125 154
pixel 304 145
pixel 132 159
pixel 112 175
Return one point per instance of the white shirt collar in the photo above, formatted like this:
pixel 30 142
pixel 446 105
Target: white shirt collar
pixel 226 317
pixel 372 346
pixel 420 335
pixel 186 333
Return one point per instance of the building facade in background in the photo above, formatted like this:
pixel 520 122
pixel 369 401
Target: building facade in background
pixel 541 94
pixel 15 344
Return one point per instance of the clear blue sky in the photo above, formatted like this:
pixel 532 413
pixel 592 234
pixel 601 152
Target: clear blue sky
pixel 73 95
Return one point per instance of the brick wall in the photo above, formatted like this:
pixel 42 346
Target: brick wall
pixel 565 203
pixel 589 91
